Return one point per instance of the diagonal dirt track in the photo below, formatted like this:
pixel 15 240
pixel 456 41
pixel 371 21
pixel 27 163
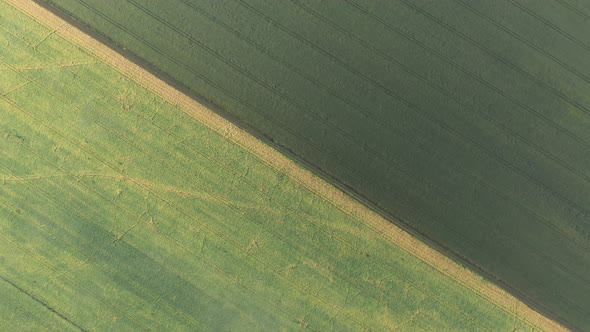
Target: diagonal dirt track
pixel 382 226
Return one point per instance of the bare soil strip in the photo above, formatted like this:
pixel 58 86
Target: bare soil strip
pixel 296 172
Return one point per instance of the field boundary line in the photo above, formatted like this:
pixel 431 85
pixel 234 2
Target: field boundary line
pixel 284 164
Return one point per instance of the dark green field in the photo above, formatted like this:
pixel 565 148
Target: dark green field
pixel 467 120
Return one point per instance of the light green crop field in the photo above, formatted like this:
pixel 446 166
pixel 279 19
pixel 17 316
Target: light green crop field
pixel 120 212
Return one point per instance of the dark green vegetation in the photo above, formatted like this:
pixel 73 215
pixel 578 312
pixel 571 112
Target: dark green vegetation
pixel 120 212
pixel 467 120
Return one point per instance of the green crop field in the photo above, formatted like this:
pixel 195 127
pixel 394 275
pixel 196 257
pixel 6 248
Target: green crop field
pixel 120 212
pixel 469 121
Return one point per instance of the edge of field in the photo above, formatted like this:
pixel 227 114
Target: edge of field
pixel 342 198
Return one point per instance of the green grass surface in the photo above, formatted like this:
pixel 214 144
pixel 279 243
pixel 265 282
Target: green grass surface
pixel 120 212
pixel 467 120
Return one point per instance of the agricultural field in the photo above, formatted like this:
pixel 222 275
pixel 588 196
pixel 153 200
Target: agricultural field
pixel 120 210
pixel 467 121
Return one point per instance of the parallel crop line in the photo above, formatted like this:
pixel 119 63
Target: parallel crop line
pixel 501 58
pixel 573 9
pixel 549 24
pixel 473 75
